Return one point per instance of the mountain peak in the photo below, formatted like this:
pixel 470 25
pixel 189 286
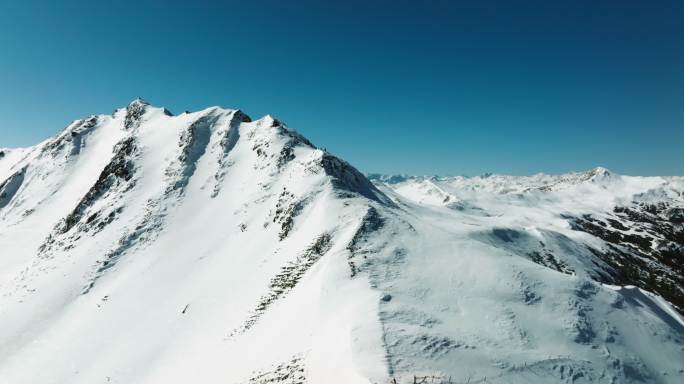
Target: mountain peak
pixel 600 174
pixel 269 121
pixel 138 102
pixel 601 171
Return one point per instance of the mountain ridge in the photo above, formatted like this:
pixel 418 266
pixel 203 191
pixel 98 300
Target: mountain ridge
pixel 147 247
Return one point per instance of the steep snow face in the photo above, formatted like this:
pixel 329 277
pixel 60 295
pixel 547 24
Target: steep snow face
pixel 144 247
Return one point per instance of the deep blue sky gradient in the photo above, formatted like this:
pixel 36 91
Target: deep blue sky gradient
pixel 430 87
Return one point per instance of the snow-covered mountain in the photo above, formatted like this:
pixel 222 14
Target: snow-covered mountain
pixel 144 247
pixel 632 226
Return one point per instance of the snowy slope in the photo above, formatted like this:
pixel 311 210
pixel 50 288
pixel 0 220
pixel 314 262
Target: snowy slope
pixel 144 247
pixel 632 227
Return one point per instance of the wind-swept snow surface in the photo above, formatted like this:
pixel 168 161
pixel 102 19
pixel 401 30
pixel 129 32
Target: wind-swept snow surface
pixel 144 247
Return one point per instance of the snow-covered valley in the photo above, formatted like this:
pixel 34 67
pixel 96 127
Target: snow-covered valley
pixel 143 247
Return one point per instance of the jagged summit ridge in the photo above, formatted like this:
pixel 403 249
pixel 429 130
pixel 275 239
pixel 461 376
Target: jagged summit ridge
pixel 135 113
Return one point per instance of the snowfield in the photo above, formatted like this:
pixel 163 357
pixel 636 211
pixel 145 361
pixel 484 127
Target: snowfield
pixel 144 247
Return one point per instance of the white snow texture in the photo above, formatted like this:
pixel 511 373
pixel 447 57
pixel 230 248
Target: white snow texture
pixel 144 247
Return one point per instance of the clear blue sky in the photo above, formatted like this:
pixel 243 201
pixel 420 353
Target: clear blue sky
pixel 430 87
